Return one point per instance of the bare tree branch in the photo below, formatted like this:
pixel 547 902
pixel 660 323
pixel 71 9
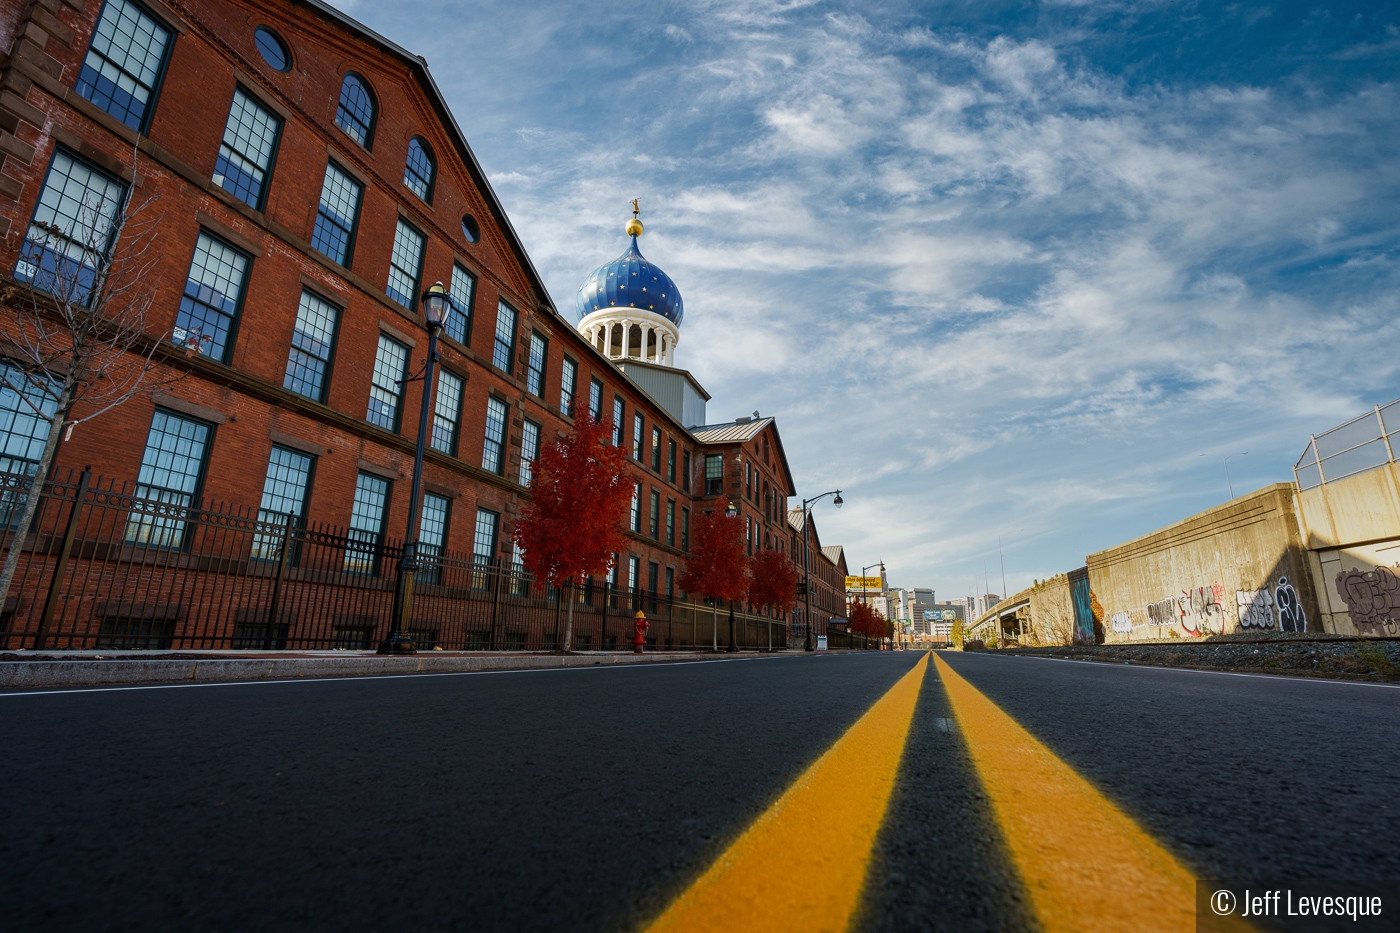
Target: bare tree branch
pixel 78 329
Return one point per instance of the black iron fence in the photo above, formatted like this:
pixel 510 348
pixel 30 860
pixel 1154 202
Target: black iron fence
pixel 105 566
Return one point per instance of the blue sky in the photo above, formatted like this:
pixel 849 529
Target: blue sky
pixel 1007 269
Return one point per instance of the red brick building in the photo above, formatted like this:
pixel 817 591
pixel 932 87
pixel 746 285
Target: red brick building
pixel 828 574
pixel 309 182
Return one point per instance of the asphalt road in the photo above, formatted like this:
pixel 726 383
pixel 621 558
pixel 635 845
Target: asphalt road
pixel 589 799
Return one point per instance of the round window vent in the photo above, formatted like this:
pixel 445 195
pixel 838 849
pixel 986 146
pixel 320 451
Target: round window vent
pixel 274 52
pixel 471 228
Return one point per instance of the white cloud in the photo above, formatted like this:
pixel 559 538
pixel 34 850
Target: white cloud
pixel 984 285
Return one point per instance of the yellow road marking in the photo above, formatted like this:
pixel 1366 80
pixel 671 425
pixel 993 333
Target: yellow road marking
pixel 794 868
pixel 1084 862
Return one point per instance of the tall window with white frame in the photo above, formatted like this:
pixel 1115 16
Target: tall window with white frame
pixel 671 522
pixel 386 383
pixel 671 460
pixel 213 296
pixel 124 64
pixel 534 367
pixel 27 401
pixel 636 519
pixel 285 487
pixel 432 538
pixel 337 214
pixel 503 353
pixel 619 411
pixel 484 546
pixel 519 576
pixel 368 512
pixel 313 339
pixel 638 447
pixel 493 453
pixel 247 150
pixel 634 574
pixel 656 515
pixel 656 449
pixel 405 265
pixel 529 450
pixel 714 474
pixel 71 233
pixel 568 385
pixel 447 412
pixel 458 324
pixel 172 468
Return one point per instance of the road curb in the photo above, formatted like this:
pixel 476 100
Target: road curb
pixel 94 672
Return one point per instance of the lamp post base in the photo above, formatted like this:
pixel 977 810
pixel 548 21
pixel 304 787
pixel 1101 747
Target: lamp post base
pixel 398 643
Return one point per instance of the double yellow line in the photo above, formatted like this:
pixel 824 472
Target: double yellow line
pixel 1084 863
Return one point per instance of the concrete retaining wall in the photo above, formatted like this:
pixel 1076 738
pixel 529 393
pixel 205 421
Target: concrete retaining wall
pixel 1352 527
pixel 1240 567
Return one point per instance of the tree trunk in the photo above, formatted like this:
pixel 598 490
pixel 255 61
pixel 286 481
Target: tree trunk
pixel 31 501
pixel 569 624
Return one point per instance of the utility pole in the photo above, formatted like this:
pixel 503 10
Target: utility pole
pixel 1002 557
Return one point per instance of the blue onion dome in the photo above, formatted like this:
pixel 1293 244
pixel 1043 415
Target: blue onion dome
pixel 630 281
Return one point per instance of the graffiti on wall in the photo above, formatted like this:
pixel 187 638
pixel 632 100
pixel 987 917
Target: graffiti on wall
pixel 1200 607
pixel 1255 608
pixel 1162 612
pixel 1083 601
pixel 1291 617
pixel 1200 611
pixel 1372 598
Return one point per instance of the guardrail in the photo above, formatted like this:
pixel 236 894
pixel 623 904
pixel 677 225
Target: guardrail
pixel 103 567
pixel 1361 444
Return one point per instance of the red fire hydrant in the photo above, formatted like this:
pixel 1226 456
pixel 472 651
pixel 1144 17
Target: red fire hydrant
pixel 639 637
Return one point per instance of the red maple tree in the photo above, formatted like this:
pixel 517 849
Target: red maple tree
pixel 772 581
pixel 717 567
pixel 582 493
pixel 866 621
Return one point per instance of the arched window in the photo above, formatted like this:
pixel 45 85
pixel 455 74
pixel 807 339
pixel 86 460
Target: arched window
pixel 355 115
pixel 420 170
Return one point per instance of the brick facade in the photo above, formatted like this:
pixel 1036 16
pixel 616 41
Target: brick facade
pixel 212 53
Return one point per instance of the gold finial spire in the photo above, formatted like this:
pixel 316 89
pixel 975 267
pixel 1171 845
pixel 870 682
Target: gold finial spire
pixel 634 226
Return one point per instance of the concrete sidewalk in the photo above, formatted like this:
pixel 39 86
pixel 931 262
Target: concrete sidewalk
pixel 92 668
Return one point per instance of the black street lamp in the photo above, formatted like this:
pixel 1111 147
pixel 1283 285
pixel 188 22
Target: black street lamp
pixel 807 561
pixel 730 512
pixel 436 305
pixel 864 593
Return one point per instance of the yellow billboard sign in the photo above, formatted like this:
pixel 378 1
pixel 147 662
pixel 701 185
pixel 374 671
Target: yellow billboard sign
pixel 863 583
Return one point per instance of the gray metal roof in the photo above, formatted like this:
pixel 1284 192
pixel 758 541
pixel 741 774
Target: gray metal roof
pixel 741 431
pixel 833 553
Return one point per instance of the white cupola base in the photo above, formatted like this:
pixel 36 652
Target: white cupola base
pixel 632 334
